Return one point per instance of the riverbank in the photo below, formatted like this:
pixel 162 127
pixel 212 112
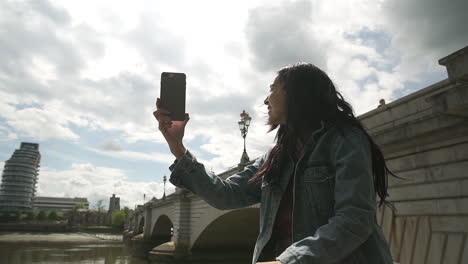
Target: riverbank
pixel 35 227
pixel 80 237
pixel 58 248
pixel 55 227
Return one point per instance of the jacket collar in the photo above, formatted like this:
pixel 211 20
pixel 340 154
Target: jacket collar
pixel 316 135
pixel 310 143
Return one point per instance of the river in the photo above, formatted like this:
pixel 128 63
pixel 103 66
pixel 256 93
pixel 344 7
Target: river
pixel 83 248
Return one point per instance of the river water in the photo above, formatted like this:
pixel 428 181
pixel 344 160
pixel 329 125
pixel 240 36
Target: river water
pixel 25 248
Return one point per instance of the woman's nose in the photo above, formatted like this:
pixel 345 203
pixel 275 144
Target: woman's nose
pixel 266 100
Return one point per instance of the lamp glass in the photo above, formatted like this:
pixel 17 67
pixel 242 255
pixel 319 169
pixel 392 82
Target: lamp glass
pixel 241 125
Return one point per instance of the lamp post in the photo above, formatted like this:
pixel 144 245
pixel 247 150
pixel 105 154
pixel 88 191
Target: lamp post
pixel 244 124
pixel 164 180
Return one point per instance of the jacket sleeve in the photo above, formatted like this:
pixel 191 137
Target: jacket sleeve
pixel 232 193
pixel 355 207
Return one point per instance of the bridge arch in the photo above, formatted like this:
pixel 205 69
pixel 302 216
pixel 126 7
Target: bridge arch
pixel 162 230
pixel 232 231
pixel 141 225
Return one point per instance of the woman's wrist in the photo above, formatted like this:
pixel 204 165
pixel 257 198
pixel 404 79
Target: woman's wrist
pixel 178 150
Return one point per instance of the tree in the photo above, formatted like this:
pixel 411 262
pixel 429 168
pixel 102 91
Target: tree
pixel 60 217
pixel 72 216
pixel 126 210
pixel 41 216
pixel 3 217
pixel 30 215
pixel 118 218
pixel 100 206
pixel 18 215
pixel 9 216
pixel 79 206
pixel 53 215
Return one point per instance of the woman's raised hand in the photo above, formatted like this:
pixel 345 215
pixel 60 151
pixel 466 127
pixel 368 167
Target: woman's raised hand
pixel 173 131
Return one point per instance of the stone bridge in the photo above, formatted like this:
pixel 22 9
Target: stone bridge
pixel 424 137
pixel 195 227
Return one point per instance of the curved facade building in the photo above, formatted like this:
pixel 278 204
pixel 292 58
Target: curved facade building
pixel 19 178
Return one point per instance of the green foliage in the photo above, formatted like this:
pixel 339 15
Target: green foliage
pixel 118 218
pixel 30 215
pixel 18 215
pixel 100 205
pixel 7 217
pixel 60 216
pixel 53 215
pixel 41 216
pixel 126 210
pixel 79 206
pixel 97 227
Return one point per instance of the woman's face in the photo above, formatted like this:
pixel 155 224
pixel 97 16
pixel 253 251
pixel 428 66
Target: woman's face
pixel 276 102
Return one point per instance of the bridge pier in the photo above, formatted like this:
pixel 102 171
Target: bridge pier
pixel 127 236
pixel 147 212
pixel 181 236
pixel 144 239
pixel 138 246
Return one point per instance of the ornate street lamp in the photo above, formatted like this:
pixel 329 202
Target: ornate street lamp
pixel 164 180
pixel 244 124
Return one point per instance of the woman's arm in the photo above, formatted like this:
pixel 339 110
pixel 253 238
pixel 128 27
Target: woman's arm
pixel 232 193
pixel 355 207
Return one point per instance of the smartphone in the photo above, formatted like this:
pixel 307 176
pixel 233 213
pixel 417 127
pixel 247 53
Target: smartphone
pixel 173 94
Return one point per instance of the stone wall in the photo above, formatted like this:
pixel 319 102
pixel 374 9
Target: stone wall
pixel 424 137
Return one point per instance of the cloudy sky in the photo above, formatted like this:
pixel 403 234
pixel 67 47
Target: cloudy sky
pixel 81 77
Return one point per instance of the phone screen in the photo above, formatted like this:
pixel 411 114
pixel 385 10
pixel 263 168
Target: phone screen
pixel 173 94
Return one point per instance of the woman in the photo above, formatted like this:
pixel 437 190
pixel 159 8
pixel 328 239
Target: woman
pixel 317 186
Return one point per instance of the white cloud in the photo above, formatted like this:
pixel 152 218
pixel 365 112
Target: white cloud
pixel 41 124
pixel 110 145
pixel 425 30
pixel 163 158
pixel 97 183
pixel 6 134
pixel 117 86
pixel 96 65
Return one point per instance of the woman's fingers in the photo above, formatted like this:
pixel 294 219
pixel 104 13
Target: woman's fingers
pixel 187 118
pixel 164 125
pixel 160 112
pixel 158 103
pixel 164 118
pixel 165 121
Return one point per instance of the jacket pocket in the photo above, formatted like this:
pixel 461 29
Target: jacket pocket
pixel 318 185
pixel 316 174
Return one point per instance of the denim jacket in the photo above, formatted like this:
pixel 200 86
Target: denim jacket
pixel 334 201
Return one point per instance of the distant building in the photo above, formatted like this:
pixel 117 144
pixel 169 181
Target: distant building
pixel 19 178
pixel 114 203
pixel 59 204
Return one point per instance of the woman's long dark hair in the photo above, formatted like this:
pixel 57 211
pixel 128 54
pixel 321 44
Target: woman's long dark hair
pixel 310 93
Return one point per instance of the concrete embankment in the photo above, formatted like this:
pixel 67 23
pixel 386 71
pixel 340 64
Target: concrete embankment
pixel 34 227
pixel 31 237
